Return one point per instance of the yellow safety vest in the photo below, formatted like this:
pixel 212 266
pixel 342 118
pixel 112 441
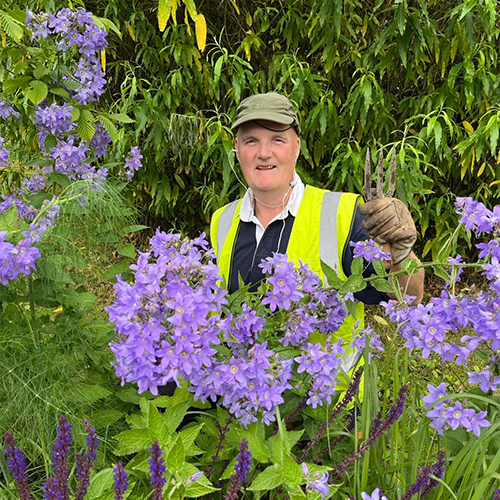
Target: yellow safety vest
pixel 320 232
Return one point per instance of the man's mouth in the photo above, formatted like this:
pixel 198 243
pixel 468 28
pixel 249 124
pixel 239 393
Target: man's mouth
pixel 266 167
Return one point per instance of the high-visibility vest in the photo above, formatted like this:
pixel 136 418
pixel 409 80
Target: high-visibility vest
pixel 320 232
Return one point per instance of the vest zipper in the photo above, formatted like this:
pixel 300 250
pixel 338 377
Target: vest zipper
pixel 348 236
pixel 230 271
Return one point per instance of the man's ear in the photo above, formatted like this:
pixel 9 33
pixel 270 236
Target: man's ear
pixel 236 147
pixel 298 149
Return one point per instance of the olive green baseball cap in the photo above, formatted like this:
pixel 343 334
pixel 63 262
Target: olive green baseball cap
pixel 271 106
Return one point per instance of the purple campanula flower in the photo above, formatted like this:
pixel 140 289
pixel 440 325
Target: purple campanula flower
pixel 17 467
pixel 374 342
pixel 133 162
pixel 485 379
pixel 4 154
pixel 157 471
pixel 194 477
pixel 16 259
pixel 54 119
pixel 369 251
pixel 120 481
pixel 6 110
pixel 376 495
pixel 475 215
pixel 100 140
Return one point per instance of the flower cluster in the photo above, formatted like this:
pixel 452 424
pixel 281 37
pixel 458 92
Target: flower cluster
pixel 75 29
pixel 157 470
pixel 133 162
pixel 16 259
pixel 120 481
pixel 53 120
pixel 243 464
pixel 444 414
pixel 368 336
pixel 171 325
pixel 475 216
pixel 324 311
pixel 369 251
pixel 100 140
pixel 17 467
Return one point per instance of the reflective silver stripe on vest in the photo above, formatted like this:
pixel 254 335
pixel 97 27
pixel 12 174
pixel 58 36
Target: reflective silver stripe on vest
pixel 225 222
pixel 328 247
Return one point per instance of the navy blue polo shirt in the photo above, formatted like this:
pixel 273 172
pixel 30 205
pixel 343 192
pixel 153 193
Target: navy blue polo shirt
pixel 247 255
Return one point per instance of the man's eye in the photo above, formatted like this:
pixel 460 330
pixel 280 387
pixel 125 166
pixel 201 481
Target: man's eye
pixel 250 141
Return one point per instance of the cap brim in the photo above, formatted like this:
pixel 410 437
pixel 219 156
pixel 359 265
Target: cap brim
pixel 263 115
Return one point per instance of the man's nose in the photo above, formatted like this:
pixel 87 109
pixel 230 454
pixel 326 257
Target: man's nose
pixel 264 150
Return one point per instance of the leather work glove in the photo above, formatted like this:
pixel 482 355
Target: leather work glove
pixel 388 220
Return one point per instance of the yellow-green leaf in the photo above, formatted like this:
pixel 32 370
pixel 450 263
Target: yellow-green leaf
pixel 191 7
pixel 200 25
pixel 164 8
pixel 131 31
pixel 37 91
pixel 468 127
pixel 103 59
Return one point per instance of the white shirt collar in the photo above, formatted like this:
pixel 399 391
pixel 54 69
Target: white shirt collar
pixel 247 208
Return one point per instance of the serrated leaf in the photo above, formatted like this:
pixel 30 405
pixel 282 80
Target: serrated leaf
pixel 37 91
pixel 331 276
pixel 176 456
pixel 188 436
pixel 61 92
pixel 121 117
pixel 197 489
pixel 50 142
pixel 292 471
pixel 268 479
pixel 379 267
pixel 11 26
pixel 354 283
pixel 40 71
pixel 357 266
pixel 12 84
pixel 382 285
pixel 109 127
pixel 133 441
pixel 86 126
pixel 200 25
pixel 157 426
pixel 257 446
pixel 101 482
pixel 9 220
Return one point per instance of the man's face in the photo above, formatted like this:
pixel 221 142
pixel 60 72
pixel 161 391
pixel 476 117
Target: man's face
pixel 267 157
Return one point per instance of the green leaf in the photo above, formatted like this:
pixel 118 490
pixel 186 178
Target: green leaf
pixel 191 8
pixel 158 429
pixel 60 92
pixel 133 441
pixel 176 456
pixel 101 482
pixel 86 126
pixel 132 229
pixel 331 276
pixel 51 142
pixel 357 266
pixel 59 178
pixel 379 267
pixel 109 127
pixel 40 71
pixel 9 220
pixel 106 23
pixel 113 271
pixel 37 91
pixel 12 84
pixel 292 472
pixel 354 283
pixel 121 117
pixel 257 446
pixel 188 436
pixel 382 285
pixel 103 418
pixel 441 272
pixel 197 489
pixel 268 479
pixel 367 93
pixel 87 393
pixel 127 250
pixel 11 26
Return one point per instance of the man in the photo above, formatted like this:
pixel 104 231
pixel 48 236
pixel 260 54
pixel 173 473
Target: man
pixel 280 214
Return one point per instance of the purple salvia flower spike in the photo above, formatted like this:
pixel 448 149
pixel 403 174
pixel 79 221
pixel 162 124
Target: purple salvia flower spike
pixel 60 454
pixel 85 463
pixel 17 467
pixel 120 480
pixel 243 464
pixel 157 471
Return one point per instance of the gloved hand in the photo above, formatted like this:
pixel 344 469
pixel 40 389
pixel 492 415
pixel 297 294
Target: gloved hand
pixel 389 221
